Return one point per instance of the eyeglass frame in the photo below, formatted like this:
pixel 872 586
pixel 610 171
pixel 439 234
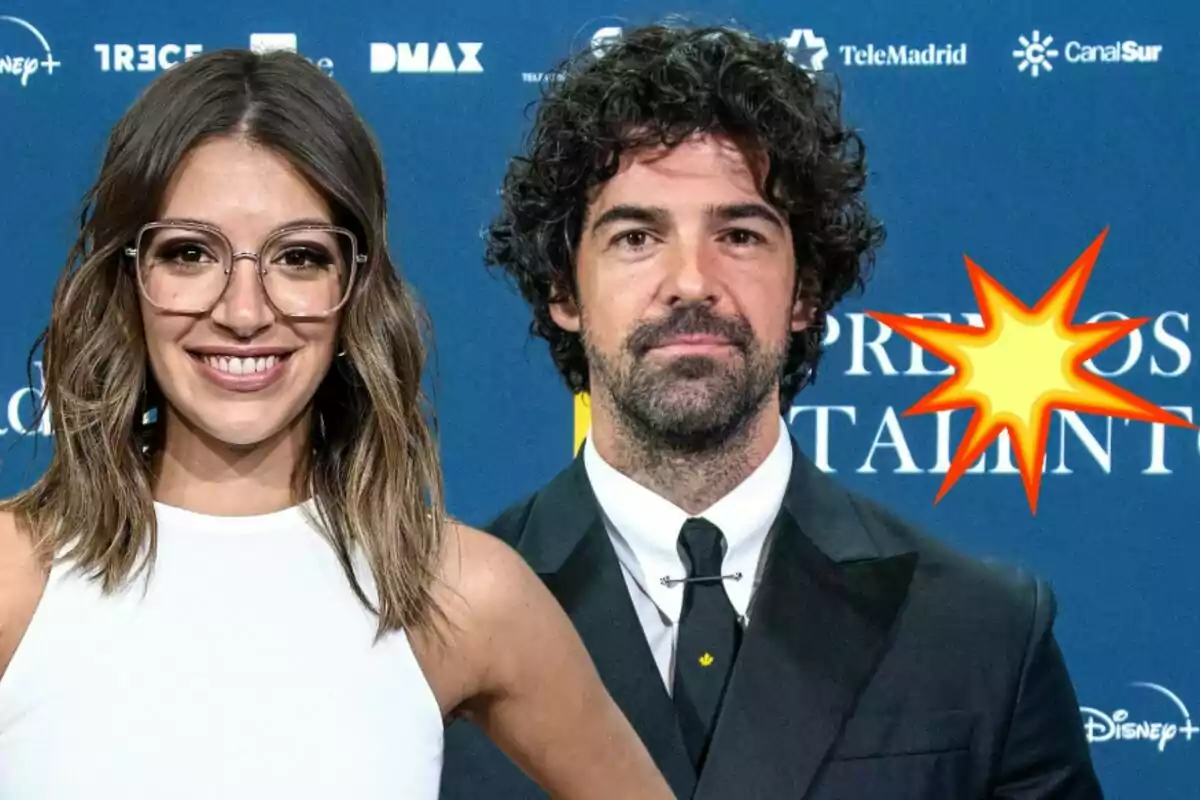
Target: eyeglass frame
pixel 256 256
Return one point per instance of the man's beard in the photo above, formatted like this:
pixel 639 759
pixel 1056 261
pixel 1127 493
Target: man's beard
pixel 695 403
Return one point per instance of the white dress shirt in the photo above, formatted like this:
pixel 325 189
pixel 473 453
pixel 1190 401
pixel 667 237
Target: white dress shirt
pixel 644 529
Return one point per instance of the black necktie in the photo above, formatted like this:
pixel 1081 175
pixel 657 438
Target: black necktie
pixel 709 635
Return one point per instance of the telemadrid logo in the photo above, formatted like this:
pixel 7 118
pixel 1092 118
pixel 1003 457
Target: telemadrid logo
pixel 24 65
pixel 806 50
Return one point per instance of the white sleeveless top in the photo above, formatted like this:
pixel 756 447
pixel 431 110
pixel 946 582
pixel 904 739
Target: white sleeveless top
pixel 245 668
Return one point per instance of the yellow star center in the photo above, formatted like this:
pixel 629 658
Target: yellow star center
pixel 1014 370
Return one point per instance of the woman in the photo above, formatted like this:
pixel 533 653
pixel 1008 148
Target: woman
pixel 235 578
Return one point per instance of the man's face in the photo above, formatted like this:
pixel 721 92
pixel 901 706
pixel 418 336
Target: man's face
pixel 686 293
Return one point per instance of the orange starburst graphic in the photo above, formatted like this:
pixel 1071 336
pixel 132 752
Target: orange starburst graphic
pixel 1020 366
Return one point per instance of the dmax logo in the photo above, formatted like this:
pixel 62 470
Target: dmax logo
pixel 421 57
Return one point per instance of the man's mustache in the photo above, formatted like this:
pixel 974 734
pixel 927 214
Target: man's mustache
pixel 690 320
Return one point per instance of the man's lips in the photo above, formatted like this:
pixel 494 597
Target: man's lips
pixel 693 341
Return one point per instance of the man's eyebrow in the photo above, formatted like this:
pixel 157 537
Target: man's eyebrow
pixel 734 211
pixel 625 212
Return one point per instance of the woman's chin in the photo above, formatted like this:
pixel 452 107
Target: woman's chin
pixel 245 433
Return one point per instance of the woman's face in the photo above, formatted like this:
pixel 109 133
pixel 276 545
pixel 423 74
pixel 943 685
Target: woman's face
pixel 241 373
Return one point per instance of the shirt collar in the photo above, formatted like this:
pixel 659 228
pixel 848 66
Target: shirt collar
pixel 645 526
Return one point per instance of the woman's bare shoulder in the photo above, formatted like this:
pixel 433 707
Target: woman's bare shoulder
pixel 483 569
pixel 22 578
pixel 484 597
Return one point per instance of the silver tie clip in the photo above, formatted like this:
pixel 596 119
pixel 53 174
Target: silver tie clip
pixel 666 581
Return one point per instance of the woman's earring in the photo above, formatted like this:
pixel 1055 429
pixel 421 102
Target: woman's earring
pixel 345 368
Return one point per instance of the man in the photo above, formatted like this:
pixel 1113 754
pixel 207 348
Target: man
pixel 688 212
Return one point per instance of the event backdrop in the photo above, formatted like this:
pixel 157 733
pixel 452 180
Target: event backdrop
pixel 1013 133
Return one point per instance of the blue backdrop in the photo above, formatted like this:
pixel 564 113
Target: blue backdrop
pixel 1020 167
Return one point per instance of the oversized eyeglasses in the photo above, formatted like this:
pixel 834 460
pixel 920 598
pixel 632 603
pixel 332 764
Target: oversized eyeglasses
pixel 305 271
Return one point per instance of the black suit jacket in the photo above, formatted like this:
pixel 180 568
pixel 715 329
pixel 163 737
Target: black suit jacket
pixel 877 663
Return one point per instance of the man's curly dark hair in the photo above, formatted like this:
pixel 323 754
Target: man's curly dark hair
pixel 657 86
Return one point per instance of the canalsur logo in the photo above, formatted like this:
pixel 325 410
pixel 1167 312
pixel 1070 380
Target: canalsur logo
pixel 1171 722
pixel 1037 53
pixel 24 51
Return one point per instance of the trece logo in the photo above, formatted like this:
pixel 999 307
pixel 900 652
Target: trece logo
pixel 424 57
pixel 144 57
pixel 19 46
pixel 1036 53
pixel 1120 726
pixel 286 42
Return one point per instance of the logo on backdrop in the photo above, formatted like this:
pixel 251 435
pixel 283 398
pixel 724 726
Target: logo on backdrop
pixel 1172 722
pixel 144 57
pixel 20 43
pixel 596 36
pixel 441 58
pixel 808 51
pixel 1037 53
pixel 287 42
pixel 597 33
pixel 20 409
pixel 605 38
pixel 274 42
pixel 1023 364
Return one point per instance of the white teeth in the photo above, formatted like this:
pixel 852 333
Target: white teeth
pixel 241 366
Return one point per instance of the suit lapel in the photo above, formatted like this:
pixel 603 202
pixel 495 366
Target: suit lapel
pixel 566 543
pixel 819 624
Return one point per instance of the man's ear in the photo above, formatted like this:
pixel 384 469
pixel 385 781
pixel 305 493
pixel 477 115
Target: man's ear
pixel 565 312
pixel 803 313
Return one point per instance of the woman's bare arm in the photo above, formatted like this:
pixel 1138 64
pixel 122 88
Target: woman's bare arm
pixel 516 667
